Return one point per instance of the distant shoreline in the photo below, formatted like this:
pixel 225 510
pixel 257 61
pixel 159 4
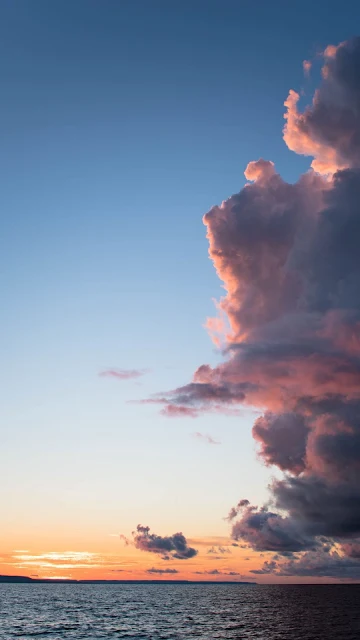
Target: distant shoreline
pixel 28 580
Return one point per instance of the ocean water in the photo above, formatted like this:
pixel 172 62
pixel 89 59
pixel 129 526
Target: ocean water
pixel 164 612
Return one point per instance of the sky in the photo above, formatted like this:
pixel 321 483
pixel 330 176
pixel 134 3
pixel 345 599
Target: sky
pixel 122 124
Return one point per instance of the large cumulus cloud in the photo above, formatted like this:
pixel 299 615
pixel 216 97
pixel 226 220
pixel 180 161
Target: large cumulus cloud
pixel 289 259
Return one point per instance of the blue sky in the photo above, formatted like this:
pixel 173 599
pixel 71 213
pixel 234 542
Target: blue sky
pixel 122 123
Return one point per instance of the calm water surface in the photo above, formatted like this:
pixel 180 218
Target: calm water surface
pixel 161 612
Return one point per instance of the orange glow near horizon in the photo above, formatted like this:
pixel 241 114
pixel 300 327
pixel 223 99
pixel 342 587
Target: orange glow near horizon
pixel 127 563
pixel 122 562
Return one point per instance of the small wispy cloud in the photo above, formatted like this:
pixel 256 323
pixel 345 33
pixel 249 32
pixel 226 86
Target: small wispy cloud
pixel 173 411
pixel 61 560
pixel 211 541
pixel 205 438
pixel 161 571
pixel 216 572
pixel 57 556
pixel 219 549
pixel 123 374
pixel 307 64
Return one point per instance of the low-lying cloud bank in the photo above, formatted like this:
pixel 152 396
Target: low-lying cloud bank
pixel 288 256
pixel 216 572
pixel 161 571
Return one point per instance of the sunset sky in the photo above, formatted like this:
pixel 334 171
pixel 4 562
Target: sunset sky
pixel 122 124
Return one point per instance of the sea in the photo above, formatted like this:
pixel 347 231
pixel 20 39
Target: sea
pixel 184 612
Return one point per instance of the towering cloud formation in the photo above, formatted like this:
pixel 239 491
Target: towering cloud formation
pixel 289 258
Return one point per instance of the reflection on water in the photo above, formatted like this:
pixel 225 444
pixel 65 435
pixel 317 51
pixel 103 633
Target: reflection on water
pixel 154 612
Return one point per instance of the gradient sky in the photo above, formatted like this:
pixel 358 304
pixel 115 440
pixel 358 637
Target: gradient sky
pixel 122 123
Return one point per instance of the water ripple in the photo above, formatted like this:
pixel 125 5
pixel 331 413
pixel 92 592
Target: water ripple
pixel 179 612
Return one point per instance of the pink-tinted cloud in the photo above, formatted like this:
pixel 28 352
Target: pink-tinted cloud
pixel 260 171
pixel 288 258
pixel 174 411
pixel 328 128
pixel 205 438
pixel 300 140
pixel 307 64
pixel 331 50
pixel 123 374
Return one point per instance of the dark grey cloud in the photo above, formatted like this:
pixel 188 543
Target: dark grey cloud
pixel 269 566
pixel 320 507
pixel 282 440
pixel 175 546
pixel 264 530
pixel 329 560
pixel 198 396
pixel 321 564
